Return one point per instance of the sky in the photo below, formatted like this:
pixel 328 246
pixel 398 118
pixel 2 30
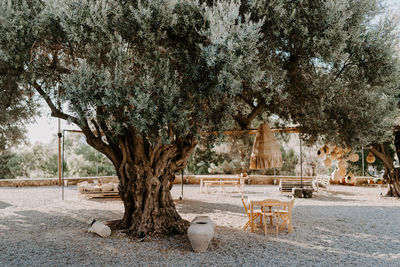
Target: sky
pixel 44 129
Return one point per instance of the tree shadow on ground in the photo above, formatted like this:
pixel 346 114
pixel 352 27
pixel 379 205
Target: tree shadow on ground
pixel 323 235
pixel 201 207
pixel 4 205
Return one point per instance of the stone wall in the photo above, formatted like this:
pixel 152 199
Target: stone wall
pixel 54 181
pixel 187 179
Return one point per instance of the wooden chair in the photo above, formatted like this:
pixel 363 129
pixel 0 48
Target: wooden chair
pixel 284 214
pixel 256 214
pixel 268 210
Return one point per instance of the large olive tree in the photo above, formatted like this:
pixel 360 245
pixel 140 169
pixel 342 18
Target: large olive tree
pixel 145 79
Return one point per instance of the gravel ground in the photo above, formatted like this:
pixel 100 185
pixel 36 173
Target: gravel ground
pixel 344 226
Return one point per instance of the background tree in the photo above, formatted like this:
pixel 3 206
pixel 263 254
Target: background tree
pixel 144 79
pixel 40 160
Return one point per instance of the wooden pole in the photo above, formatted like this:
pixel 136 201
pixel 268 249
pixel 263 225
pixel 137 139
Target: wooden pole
pixel 62 166
pixel 59 151
pixel 301 165
pixel 362 158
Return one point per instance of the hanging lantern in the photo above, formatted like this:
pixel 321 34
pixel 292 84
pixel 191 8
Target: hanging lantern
pixel 327 162
pixel 336 176
pixel 342 172
pixel 342 164
pixel 326 149
pixel 333 156
pixel 347 150
pixel 370 158
pixel 338 150
pixel 354 157
pixel 331 147
pixel 266 151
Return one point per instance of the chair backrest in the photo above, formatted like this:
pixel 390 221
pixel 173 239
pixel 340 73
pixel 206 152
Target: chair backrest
pixel 245 206
pixel 291 204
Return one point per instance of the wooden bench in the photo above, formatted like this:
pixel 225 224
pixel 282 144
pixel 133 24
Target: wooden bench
pixel 287 184
pixel 221 180
pixel 222 184
pixel 322 180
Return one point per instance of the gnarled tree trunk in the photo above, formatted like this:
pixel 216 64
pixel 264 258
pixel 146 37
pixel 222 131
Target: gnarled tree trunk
pixel 145 172
pixel 391 175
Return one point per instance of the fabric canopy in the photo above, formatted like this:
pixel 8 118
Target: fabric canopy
pixel 266 151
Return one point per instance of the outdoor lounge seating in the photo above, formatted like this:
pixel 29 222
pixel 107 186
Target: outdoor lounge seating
pixel 107 190
pixel 322 180
pixel 287 184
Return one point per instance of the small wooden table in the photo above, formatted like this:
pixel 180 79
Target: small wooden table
pixel 221 180
pixel 260 202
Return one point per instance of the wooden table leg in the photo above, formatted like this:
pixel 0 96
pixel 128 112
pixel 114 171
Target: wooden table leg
pixel 251 217
pixel 270 217
pixel 290 225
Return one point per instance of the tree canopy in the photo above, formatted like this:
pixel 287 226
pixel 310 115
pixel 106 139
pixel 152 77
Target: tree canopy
pixel 166 68
pixel 144 79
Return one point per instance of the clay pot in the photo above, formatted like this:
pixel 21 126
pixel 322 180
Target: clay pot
pixel 354 157
pixel 200 234
pixel 370 158
pixel 204 219
pixel 334 156
pixel 327 162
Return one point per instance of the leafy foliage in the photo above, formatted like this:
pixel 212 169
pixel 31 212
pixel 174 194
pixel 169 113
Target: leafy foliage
pixel 232 155
pixel 172 69
pixel 41 161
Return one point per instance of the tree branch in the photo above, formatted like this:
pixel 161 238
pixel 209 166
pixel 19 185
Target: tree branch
pixel 55 112
pixel 245 121
pixel 383 157
pixel 346 63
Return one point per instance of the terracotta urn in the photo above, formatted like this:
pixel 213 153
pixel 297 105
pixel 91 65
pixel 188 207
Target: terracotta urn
pixel 200 233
